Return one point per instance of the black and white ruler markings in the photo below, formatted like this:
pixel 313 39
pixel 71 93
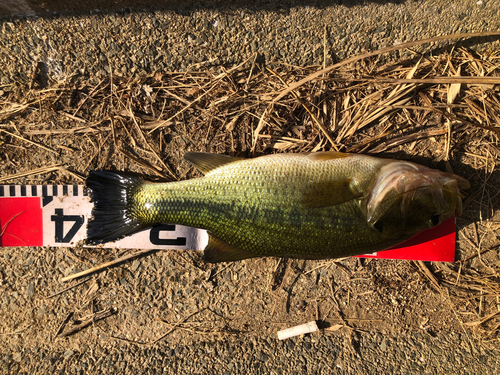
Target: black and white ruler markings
pixel 57 215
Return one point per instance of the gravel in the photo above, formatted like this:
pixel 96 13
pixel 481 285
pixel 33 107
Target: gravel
pixel 107 346
pixel 128 43
pixel 346 360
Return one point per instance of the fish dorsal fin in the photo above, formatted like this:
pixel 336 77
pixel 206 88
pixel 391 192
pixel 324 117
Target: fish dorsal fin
pixel 327 155
pixel 205 161
pixel 219 251
pixel 331 193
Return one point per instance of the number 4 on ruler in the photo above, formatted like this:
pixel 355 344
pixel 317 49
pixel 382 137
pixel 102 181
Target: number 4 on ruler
pixel 59 219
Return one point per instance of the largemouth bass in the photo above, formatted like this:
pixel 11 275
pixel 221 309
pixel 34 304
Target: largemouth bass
pixel 311 206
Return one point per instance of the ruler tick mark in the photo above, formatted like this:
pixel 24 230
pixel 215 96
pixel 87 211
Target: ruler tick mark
pixel 46 198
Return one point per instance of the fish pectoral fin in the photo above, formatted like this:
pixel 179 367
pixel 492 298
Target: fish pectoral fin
pixel 205 161
pixel 328 155
pixel 331 193
pixel 219 251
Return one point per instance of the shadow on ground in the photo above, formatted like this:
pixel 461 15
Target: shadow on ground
pixel 50 8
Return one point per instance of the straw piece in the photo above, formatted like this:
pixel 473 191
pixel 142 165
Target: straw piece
pixel 379 52
pixel 42 170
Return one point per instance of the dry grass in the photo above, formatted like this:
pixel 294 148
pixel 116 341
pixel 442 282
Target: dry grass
pixel 433 108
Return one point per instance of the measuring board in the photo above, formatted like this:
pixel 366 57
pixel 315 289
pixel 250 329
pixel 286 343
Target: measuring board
pixel 57 215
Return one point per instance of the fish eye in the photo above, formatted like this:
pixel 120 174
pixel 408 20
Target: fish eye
pixel 434 220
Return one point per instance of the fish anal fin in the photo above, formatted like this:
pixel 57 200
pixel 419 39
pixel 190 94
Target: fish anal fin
pixel 219 251
pixel 328 155
pixel 205 161
pixel 331 193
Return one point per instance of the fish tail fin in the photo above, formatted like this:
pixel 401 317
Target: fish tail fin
pixel 112 218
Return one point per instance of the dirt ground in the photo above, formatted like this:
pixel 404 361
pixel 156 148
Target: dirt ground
pixel 170 312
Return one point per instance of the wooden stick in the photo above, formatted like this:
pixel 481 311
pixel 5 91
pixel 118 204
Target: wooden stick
pixel 96 317
pixel 110 264
pixel 63 323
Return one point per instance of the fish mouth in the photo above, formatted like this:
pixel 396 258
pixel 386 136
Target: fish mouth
pixel 409 180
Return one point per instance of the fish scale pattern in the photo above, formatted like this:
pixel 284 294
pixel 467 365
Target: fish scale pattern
pixel 258 205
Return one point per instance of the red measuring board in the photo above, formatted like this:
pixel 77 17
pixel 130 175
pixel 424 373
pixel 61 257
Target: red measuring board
pixel 57 215
pixel 21 222
pixel 41 215
pixel 434 244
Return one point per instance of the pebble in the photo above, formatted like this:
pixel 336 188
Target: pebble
pixel 135 265
pixel 383 345
pixel 30 290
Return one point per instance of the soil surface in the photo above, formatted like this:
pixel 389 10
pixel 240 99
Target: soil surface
pixel 172 313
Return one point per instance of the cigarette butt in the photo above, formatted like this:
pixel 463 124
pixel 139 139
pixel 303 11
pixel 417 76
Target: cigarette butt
pixel 298 330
